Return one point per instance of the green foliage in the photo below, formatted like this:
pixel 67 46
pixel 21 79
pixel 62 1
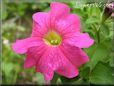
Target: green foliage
pixel 100 54
pixel 102 74
pixel 17 24
pixel 39 78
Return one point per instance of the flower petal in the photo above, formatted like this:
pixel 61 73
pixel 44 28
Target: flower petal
pixel 74 54
pixel 66 68
pixel 54 60
pixel 29 61
pixel 80 40
pixel 59 10
pixel 33 55
pixel 70 24
pixel 21 46
pixel 39 23
pixel 44 65
pixel 47 72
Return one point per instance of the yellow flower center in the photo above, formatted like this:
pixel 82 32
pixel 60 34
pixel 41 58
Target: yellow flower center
pixel 52 38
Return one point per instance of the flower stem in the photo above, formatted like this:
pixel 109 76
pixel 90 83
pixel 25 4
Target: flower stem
pixel 98 34
pixel 55 78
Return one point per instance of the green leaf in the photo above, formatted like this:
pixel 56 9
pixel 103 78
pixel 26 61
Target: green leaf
pixel 4 15
pixel 111 62
pixel 105 29
pixel 65 80
pixel 90 51
pixel 102 74
pixel 40 78
pixel 93 11
pixel 100 54
pixel 7 68
pixel 84 73
pixel 91 20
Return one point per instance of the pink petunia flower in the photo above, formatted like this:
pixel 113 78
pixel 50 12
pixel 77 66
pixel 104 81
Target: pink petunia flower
pixel 55 43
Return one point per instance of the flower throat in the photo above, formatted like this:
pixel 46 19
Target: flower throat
pixel 52 38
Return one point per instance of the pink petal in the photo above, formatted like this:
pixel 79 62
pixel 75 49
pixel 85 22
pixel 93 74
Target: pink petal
pixel 47 72
pixel 59 10
pixel 70 24
pixel 79 40
pixel 66 68
pixel 33 55
pixel 39 23
pixel 21 46
pixel 74 54
pixel 44 65
pixel 29 61
pixel 54 60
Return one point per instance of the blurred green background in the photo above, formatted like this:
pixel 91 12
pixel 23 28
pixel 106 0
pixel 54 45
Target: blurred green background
pixel 17 24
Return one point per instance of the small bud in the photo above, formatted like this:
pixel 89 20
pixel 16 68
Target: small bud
pixel 108 11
